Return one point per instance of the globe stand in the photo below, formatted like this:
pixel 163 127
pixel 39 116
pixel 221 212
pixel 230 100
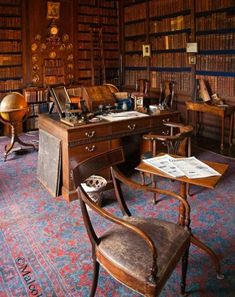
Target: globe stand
pixel 14 139
pixel 14 134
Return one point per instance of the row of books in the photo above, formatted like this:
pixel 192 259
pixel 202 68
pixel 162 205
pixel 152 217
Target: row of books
pixel 10 72
pixel 85 27
pixel 225 63
pixel 169 60
pixel 10 46
pixel 53 71
pixel 10 34
pixel 131 76
pixel 216 21
pixel 183 80
pixel 135 61
pixel 101 11
pixel 165 7
pixel 170 42
pixel 223 86
pixel 216 41
pixel 10 84
pixel 102 3
pixel 6 60
pixel 98 19
pixel 108 39
pixel 135 12
pixel 11 10
pixel 53 63
pixel 133 45
pixel 35 95
pixel 31 124
pixel 36 108
pixel 14 22
pixel 171 24
pixel 135 29
pixel 202 5
pixel 11 2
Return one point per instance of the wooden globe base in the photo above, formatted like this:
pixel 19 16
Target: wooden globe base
pixel 14 139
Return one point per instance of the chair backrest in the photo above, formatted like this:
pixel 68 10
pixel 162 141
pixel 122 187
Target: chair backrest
pixel 142 85
pixel 167 92
pixel 177 143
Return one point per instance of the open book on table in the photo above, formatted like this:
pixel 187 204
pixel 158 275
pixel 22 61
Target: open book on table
pixel 190 167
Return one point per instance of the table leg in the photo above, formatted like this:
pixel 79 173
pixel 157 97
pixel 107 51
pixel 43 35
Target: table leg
pixel 194 240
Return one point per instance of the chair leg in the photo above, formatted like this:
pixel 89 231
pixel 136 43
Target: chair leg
pixel 184 273
pixel 154 184
pixel 96 268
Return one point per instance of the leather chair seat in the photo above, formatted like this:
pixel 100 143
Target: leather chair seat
pixel 129 252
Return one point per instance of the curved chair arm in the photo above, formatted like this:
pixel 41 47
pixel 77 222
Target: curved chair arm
pixel 117 174
pixel 173 124
pixel 102 212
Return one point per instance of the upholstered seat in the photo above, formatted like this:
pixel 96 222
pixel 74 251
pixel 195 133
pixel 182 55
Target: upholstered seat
pixel 118 245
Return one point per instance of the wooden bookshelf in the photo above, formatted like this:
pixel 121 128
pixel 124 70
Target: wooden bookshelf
pixel 104 14
pixel 10 46
pixel 39 102
pixel 215 34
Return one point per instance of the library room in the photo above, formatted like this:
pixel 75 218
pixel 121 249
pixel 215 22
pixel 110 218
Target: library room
pixel 117 148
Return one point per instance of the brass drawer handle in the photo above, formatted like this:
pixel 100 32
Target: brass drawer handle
pixel 90 148
pixel 90 134
pixel 131 127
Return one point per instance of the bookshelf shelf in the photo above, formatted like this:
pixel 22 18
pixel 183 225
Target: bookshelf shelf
pixel 215 73
pixel 175 32
pixel 170 15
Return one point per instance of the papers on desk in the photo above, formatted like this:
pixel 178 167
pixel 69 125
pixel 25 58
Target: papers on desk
pixel 176 167
pixel 119 116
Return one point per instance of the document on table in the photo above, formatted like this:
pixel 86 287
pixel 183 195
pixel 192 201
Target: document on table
pixel 190 167
pixel 164 164
pixel 125 115
pixel 194 168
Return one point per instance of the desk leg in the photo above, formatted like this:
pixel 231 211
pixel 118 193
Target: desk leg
pixel 222 133
pixel 231 121
pixel 194 240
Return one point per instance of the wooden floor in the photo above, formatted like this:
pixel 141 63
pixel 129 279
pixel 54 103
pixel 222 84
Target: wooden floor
pixel 214 146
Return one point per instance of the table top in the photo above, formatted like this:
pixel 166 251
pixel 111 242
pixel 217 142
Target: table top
pixel 205 107
pixel 208 182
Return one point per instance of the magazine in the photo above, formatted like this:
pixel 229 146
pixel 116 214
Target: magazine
pixel 190 167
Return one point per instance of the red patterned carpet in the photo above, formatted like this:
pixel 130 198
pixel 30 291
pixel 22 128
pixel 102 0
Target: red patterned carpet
pixel 45 250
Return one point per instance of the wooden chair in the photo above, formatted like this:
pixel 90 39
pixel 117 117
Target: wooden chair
pixel 177 142
pixel 139 252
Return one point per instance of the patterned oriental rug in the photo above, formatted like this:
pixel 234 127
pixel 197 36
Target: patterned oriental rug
pixel 44 249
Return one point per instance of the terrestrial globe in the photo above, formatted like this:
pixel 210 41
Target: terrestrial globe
pixel 13 109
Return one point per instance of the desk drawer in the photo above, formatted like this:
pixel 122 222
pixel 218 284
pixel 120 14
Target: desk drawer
pixel 131 126
pixel 89 133
pixel 82 152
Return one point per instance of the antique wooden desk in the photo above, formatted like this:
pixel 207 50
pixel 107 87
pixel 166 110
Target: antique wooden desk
pixel 209 182
pixel 81 142
pixel 221 111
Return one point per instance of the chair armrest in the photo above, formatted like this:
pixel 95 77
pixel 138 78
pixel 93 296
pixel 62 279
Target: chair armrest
pixel 117 174
pixel 173 124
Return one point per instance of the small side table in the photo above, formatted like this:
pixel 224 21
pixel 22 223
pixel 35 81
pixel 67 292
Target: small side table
pixel 222 111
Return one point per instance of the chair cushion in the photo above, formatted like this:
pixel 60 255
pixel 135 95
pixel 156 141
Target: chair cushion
pixel 130 253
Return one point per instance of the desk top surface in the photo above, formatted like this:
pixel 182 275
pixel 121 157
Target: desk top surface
pixel 209 182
